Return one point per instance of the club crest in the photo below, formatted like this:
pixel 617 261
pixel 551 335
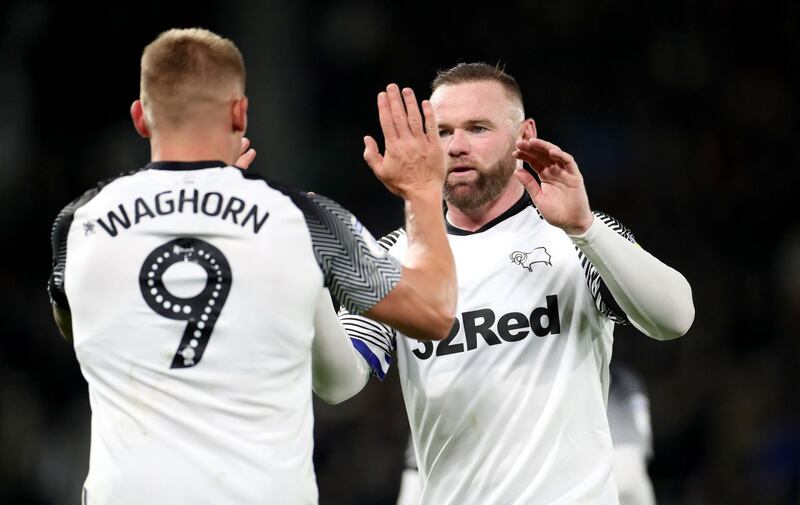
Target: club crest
pixel 527 259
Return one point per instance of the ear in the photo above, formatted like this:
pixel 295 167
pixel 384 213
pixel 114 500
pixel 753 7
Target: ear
pixel 137 114
pixel 528 129
pixel 239 115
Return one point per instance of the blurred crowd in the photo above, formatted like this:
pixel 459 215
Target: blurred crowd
pixel 683 117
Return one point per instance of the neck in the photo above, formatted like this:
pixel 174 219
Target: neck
pixel 193 145
pixel 474 219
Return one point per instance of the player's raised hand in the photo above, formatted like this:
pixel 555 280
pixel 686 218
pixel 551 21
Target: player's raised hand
pixel 246 156
pixel 561 197
pixel 414 159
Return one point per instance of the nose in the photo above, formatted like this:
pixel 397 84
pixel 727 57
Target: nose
pixel 458 144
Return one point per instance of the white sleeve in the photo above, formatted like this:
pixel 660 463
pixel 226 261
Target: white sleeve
pixel 338 371
pixel 656 298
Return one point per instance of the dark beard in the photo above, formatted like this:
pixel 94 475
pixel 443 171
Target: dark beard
pixel 486 188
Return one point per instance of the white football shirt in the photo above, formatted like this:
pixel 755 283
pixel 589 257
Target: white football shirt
pixel 511 407
pixel 192 289
pixel 629 421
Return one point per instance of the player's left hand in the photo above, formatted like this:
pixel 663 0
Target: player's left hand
pixel 247 155
pixel 561 196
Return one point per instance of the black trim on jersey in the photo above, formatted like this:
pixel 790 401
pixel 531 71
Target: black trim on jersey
pixel 370 332
pixel 603 299
pixel 184 165
pixel 355 275
pixel 523 203
pixel 387 241
pixel 58 239
pixel 365 329
pixel 613 310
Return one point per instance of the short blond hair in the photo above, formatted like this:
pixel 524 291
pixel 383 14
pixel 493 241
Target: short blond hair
pixel 186 67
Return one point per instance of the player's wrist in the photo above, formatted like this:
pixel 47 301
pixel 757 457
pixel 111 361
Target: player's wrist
pixel 579 228
pixel 430 193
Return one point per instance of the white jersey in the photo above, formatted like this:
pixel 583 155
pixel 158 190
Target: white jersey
pixel 629 421
pixel 510 408
pixel 192 289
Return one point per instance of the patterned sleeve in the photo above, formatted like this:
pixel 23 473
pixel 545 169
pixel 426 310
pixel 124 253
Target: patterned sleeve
pixel 373 340
pixel 603 299
pixel 357 271
pixel 58 239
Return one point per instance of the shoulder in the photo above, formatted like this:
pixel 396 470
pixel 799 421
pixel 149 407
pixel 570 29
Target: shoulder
pixel 268 183
pixel 615 225
pixel 64 217
pixel 312 204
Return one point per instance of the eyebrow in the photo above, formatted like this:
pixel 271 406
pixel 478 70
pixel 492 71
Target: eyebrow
pixel 471 122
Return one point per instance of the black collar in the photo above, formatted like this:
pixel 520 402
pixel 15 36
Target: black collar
pixel 523 203
pixel 184 165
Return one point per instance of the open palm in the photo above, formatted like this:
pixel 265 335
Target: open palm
pixel 559 194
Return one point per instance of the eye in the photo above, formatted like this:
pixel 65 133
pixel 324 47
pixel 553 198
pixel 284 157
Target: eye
pixel 478 129
pixel 444 132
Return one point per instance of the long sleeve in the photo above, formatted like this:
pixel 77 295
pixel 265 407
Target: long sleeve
pixel 656 298
pixel 338 371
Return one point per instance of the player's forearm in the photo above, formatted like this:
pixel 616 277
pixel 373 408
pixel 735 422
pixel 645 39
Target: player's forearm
pixel 338 372
pixel 656 298
pixel 422 304
pixel 428 265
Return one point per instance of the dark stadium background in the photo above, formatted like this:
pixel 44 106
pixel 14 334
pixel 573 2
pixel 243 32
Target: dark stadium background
pixel 682 115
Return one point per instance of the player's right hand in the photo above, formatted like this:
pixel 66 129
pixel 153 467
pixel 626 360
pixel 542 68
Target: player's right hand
pixel 561 197
pixel 414 160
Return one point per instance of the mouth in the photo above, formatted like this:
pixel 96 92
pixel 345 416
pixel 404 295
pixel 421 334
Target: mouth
pixel 460 169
